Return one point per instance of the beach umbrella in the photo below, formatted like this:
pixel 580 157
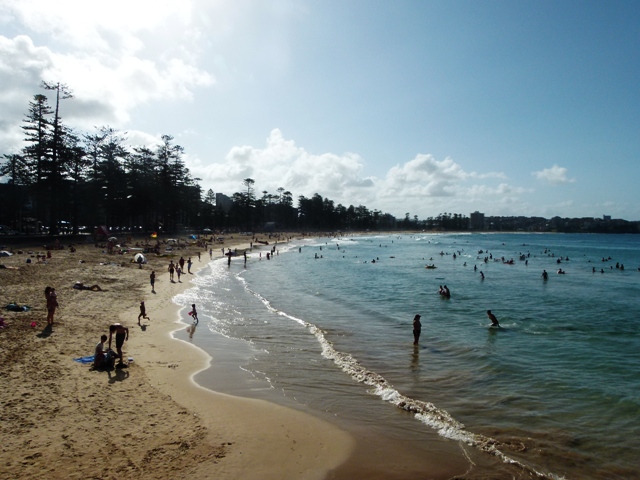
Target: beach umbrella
pixel 172 240
pixel 139 258
pixel 193 237
pixel 4 253
pixel 113 239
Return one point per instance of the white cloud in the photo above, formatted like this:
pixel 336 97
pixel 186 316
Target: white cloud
pixel 283 164
pixel 422 185
pixel 555 175
pixel 106 55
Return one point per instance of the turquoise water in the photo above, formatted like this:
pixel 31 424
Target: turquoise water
pixel 556 389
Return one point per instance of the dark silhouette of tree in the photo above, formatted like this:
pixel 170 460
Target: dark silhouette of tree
pixel 37 129
pixel 57 144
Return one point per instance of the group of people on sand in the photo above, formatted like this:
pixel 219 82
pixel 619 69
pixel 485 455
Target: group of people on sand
pixel 105 357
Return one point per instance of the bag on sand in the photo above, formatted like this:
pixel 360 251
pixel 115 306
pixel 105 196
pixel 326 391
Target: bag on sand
pixel 110 360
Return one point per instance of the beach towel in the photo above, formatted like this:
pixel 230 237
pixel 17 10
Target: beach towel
pixel 87 359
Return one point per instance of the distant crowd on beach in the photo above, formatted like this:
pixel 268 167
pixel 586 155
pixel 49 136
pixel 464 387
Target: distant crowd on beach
pixel 109 349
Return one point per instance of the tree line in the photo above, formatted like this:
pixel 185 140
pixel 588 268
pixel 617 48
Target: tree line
pixel 65 180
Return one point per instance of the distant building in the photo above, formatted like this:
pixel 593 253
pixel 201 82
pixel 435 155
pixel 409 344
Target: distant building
pixel 606 218
pixel 476 221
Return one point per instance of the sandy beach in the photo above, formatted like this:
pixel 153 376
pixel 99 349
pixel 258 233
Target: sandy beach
pixel 150 419
pixel 62 419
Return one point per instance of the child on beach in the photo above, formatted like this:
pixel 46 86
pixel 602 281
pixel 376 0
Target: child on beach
pixel 52 303
pixel 194 314
pixel 143 312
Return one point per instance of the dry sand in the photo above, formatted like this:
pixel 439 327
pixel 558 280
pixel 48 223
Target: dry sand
pixel 61 419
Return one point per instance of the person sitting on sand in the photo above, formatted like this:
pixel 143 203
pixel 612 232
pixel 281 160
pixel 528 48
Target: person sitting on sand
pixel 492 317
pixel 81 286
pixel 100 355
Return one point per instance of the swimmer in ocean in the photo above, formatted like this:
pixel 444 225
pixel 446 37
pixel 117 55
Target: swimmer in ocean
pixel 492 317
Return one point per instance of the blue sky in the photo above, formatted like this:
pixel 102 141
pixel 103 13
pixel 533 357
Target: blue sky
pixel 419 107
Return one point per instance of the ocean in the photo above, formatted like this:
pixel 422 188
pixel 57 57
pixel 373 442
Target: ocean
pixel 326 326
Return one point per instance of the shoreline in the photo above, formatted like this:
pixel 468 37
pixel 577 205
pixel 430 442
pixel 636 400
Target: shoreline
pixel 63 419
pixel 299 445
pixel 154 419
pixel 440 457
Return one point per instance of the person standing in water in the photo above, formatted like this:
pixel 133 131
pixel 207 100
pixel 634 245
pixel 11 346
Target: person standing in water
pixel 417 329
pixel 194 316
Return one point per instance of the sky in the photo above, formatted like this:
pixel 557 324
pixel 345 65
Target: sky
pixel 408 107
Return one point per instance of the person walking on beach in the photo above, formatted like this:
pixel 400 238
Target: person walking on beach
pixel 492 317
pixel 143 312
pixel 52 303
pixel 122 333
pixel 152 280
pixel 417 329
pixel 179 272
pixel 189 262
pixel 171 269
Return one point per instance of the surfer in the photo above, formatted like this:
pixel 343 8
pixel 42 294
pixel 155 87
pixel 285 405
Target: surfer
pixel 492 317
pixel 417 329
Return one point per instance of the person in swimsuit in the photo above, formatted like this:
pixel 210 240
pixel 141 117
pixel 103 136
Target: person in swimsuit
pixel 417 329
pixel 52 303
pixel 194 316
pixel 122 334
pixel 152 279
pixel 82 286
pixel 143 312
pixel 492 317
pixel 100 354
